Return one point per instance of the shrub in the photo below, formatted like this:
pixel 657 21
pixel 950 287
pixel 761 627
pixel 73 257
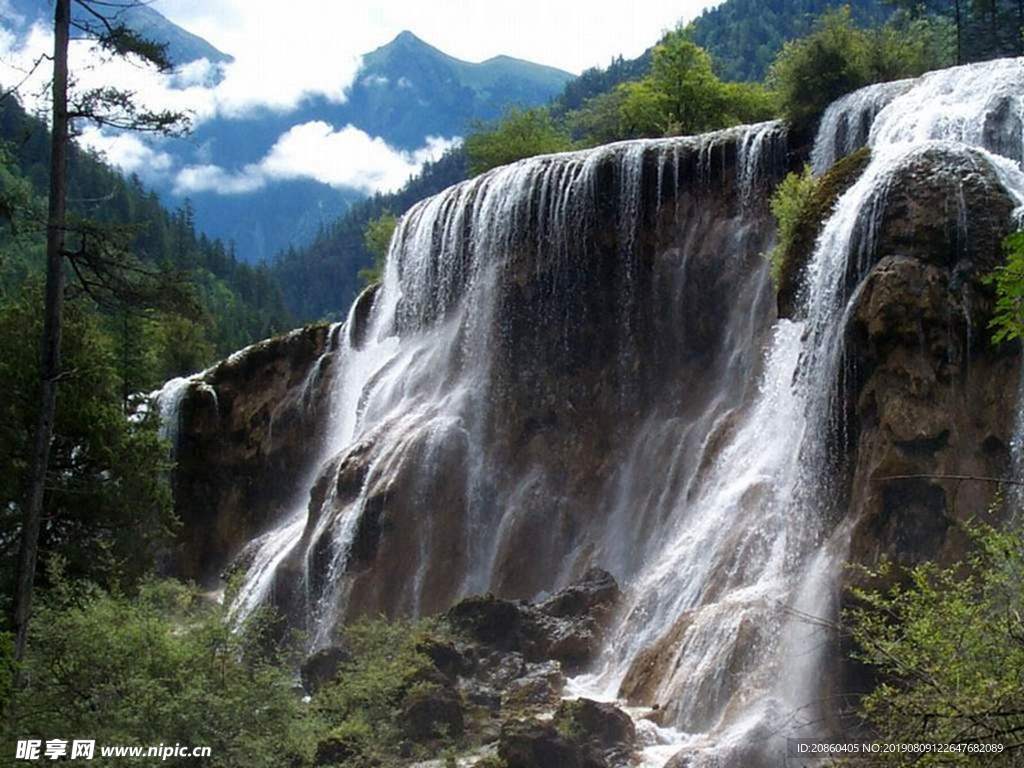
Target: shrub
pixel 948 647
pixel 1008 322
pixel 801 205
pixel 790 204
pixel 364 707
pixel 159 668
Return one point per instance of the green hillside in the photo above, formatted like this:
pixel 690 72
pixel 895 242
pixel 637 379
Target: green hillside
pixel 238 303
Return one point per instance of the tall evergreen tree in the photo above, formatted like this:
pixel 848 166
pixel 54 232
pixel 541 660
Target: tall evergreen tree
pixel 104 106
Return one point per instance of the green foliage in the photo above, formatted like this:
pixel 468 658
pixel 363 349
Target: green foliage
pixel 520 133
pixel 682 75
pixel 681 95
pixel 1008 322
pixel 744 36
pixel 161 667
pixel 363 706
pixel 377 237
pixel 790 204
pixel 813 71
pixel 838 57
pixel 225 303
pixel 948 648
pixel 107 506
pixel 801 204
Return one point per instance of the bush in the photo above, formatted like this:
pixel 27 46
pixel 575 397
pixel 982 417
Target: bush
pixel 790 204
pixel 1008 322
pixel 160 668
pixel 948 647
pixel 837 58
pixel 520 133
pixel 801 205
pixel 364 707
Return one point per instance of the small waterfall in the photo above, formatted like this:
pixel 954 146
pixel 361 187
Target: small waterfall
pixel 846 125
pixel 574 360
pixel 168 400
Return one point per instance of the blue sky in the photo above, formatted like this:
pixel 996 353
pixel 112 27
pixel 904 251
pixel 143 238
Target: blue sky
pixel 285 52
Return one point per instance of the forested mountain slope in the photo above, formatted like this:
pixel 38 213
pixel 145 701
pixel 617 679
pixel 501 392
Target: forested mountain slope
pixel 240 302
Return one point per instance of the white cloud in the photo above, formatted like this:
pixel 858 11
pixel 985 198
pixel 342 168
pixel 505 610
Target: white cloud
pixel 570 34
pixel 212 178
pixel 127 152
pixel 261 77
pixel 347 157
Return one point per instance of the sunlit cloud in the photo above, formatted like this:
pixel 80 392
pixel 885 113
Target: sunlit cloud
pixel 347 157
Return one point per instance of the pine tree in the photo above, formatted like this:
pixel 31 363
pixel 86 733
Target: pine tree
pixel 98 259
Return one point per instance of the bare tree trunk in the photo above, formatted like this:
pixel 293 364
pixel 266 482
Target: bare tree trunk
pixel 51 331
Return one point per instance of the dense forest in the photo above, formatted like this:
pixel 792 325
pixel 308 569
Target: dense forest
pixel 235 303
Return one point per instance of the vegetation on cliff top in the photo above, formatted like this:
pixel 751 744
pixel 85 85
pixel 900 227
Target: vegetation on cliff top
pixel 801 205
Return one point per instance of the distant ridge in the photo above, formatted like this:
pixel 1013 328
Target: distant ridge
pixel 182 46
pixel 408 88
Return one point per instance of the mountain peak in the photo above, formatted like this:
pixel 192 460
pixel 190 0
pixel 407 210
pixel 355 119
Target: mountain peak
pixel 405 36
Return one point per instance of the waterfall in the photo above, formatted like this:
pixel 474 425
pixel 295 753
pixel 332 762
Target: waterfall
pixel 574 360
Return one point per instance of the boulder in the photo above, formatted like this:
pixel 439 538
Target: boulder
pixel 540 687
pixel 431 712
pixel 535 744
pixel 567 627
pixel 606 735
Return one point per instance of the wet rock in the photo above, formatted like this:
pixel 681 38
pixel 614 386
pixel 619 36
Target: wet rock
pixel 335 751
pixel 595 595
pixel 927 392
pixel 540 687
pixel 446 657
pixel 432 713
pixel 490 620
pixel 606 735
pixel 321 668
pixel 535 744
pixel 567 627
pixel 248 422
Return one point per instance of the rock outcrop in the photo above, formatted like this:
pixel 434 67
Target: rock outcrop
pixel 241 428
pixel 929 395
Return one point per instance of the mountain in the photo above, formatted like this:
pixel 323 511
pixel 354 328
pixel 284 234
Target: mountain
pixel 404 92
pixel 408 89
pixel 182 45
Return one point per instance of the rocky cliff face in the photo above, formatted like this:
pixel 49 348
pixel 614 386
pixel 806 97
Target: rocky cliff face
pixel 240 429
pixel 929 395
pixel 577 362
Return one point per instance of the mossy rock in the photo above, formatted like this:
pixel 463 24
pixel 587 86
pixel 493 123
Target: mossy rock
pixel 795 255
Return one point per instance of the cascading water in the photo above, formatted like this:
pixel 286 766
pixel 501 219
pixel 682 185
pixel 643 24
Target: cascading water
pixel 436 350
pixel 575 361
